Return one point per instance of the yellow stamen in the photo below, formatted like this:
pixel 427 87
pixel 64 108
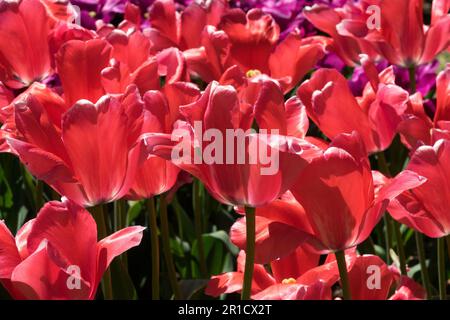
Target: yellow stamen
pixel 253 73
pixel 289 281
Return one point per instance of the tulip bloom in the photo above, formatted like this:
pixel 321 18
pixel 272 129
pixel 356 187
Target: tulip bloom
pixel 401 36
pixel 326 18
pixel 425 208
pixel 156 175
pixel 88 153
pixel 227 178
pixel 371 279
pixel 287 221
pixel 24 54
pixel 250 41
pixel 299 277
pixel 339 199
pixel 57 256
pixel 284 272
pixel 376 115
pixel 170 28
pixel 416 127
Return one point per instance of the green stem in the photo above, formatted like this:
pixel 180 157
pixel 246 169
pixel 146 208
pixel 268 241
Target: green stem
pixel 447 238
pixel 400 247
pixel 412 78
pixel 423 264
pixel 198 226
pixel 120 211
pixel 166 247
pixel 340 258
pixel 39 194
pixel 122 223
pixel 153 226
pixel 441 268
pixel 388 236
pixel 249 253
pixel 100 215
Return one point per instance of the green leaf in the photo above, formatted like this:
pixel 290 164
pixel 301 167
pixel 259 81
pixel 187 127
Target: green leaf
pixel 134 210
pixel 122 284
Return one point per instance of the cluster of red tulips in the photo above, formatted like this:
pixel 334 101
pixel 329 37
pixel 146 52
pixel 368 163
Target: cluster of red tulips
pixel 324 191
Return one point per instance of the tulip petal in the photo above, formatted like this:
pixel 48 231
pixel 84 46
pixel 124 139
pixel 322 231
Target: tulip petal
pixel 79 65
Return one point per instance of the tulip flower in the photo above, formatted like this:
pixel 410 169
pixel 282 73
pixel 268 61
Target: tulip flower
pixel 416 126
pixel 237 174
pixel 376 115
pixel 290 267
pixel 339 199
pixel 399 34
pixel 156 175
pixel 230 181
pixel 48 259
pixel 423 208
pixel 170 28
pixel 371 279
pixel 402 38
pixel 133 64
pixel 340 181
pixel 326 18
pixel 250 41
pixel 294 277
pixel 88 153
pixel 24 28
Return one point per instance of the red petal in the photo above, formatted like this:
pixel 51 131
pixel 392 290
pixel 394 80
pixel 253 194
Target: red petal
pixel 79 65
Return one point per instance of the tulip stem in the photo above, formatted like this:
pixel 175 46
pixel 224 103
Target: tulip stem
pixel 388 236
pixel 198 226
pixel 423 263
pixel 166 247
pixel 400 248
pixel 39 195
pixel 412 78
pixel 249 253
pixel 120 222
pixel 340 258
pixel 441 268
pixel 153 226
pixel 447 238
pixel 100 215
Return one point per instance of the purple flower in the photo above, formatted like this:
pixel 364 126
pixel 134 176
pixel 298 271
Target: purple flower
pixel 287 13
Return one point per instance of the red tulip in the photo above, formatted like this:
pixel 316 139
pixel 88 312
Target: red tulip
pixel 416 127
pixel 170 28
pixel 6 97
pixel 425 208
pixel 156 175
pixel 326 19
pixel 250 41
pixel 230 173
pixel 79 64
pixel 339 197
pixel 88 153
pixel 24 53
pixel 401 37
pixel 407 289
pixel 348 209
pixel 376 115
pixel 291 266
pixel 294 277
pixel 48 259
